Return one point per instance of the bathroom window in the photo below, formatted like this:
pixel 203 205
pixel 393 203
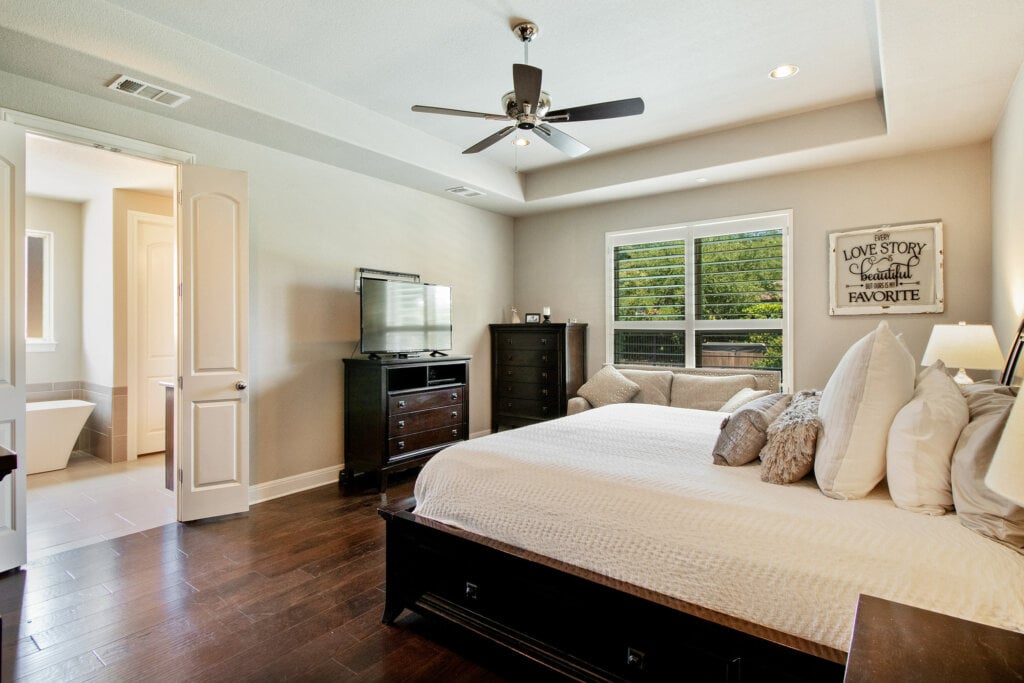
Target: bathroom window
pixel 39 291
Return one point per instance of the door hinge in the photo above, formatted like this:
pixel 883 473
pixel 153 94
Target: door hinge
pixel 179 382
pixel 181 289
pixel 181 475
pixel 179 197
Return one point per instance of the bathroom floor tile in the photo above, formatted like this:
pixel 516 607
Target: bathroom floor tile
pixel 92 500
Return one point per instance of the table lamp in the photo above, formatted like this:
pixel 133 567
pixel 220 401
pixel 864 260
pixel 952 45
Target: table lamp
pixel 964 346
pixel 1006 473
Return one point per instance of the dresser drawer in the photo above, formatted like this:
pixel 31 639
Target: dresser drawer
pixel 415 442
pixel 528 339
pixel 526 373
pixel 410 423
pixel 422 400
pixel 526 390
pixel 527 408
pixel 539 357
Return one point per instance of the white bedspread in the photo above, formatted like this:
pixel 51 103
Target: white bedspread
pixel 630 491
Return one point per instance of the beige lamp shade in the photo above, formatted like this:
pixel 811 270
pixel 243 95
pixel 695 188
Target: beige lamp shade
pixel 1006 473
pixel 964 346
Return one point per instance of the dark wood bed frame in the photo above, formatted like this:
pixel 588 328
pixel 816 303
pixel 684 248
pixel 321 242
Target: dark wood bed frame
pixel 576 622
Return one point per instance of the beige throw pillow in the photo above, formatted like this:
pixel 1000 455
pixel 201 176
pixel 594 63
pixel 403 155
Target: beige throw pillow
pixel 655 385
pixel 978 507
pixel 608 386
pixel 789 453
pixel 921 441
pixel 744 432
pixel 874 379
pixel 707 392
pixel 744 395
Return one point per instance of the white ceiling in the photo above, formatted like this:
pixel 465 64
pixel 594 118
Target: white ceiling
pixel 335 79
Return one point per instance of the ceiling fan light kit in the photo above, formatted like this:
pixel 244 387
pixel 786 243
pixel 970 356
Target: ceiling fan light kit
pixel 528 107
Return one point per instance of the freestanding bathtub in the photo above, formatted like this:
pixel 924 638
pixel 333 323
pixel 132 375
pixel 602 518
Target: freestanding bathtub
pixel 51 431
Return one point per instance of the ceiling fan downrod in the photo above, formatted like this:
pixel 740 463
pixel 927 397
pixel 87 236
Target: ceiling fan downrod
pixel 526 32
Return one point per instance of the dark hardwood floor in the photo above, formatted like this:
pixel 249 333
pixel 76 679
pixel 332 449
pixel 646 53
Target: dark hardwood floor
pixel 292 590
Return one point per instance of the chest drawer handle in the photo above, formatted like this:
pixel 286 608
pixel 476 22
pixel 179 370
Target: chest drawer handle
pixel 508 405
pixel 508 372
pixel 508 340
pixel 401 445
pixel 508 387
pixel 401 404
pixel 401 424
pixel 543 342
pixel 510 356
pixel 455 415
pixel 543 392
pixel 455 396
pixel 544 409
pixel 543 359
pixel 544 375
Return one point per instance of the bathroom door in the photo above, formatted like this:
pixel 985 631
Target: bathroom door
pixel 12 342
pixel 213 403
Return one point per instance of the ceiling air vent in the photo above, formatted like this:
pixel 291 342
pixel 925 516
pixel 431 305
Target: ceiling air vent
pixel 463 191
pixel 148 91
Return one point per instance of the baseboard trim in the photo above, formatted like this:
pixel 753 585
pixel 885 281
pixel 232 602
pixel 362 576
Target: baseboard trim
pixel 477 435
pixel 285 486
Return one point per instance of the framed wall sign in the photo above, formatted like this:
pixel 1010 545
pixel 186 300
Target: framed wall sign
pixel 886 269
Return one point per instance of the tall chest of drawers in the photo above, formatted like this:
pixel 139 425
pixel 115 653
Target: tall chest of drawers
pixel 399 412
pixel 535 370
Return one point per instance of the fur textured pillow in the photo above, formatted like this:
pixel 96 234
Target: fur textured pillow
pixel 743 433
pixel 789 454
pixel 608 386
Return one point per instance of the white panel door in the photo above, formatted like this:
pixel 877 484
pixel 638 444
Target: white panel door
pixel 151 301
pixel 12 342
pixel 213 407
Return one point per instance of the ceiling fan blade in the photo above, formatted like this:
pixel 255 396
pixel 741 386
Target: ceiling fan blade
pixel 459 112
pixel 602 110
pixel 489 140
pixel 560 140
pixel 526 82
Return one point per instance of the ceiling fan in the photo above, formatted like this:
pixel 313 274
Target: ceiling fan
pixel 528 107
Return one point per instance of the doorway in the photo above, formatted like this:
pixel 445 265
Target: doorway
pixel 102 325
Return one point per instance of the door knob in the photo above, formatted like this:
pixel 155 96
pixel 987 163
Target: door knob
pixel 240 385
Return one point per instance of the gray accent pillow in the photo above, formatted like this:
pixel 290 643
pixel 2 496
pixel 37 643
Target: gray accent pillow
pixel 706 392
pixel 608 386
pixel 744 432
pixel 655 385
pixel 789 454
pixel 978 507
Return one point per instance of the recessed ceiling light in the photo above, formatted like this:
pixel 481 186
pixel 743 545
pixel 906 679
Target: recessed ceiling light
pixel 783 71
pixel 520 142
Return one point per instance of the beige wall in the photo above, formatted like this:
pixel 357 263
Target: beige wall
pixel 64 220
pixel 560 256
pixel 311 226
pixel 1008 217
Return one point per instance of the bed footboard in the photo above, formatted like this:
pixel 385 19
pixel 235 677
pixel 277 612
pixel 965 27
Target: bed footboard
pixel 575 622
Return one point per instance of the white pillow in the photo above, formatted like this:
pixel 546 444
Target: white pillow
pixel 608 386
pixel 874 379
pixel 921 442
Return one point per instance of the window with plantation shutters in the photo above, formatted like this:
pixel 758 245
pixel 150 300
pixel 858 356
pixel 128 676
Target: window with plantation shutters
pixel 708 294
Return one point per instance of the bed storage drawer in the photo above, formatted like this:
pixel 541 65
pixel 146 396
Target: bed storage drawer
pixel 535 370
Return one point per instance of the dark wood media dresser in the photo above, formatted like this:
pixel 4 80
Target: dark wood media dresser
pixel 535 370
pixel 400 411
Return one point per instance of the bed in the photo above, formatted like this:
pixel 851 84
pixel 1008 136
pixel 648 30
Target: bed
pixel 607 546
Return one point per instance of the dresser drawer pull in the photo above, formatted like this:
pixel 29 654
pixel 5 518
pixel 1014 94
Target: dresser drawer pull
pixel 511 356
pixel 508 340
pixel 543 392
pixel 544 409
pixel 508 405
pixel 401 404
pixel 508 387
pixel 544 375
pixel 455 396
pixel 401 445
pixel 543 359
pixel 543 341
pixel 455 415
pixel 455 433
pixel 508 372
pixel 401 424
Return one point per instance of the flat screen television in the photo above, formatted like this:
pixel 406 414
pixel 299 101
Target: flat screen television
pixel 403 317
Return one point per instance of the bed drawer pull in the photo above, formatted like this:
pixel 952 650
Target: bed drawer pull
pixel 401 445
pixel 401 424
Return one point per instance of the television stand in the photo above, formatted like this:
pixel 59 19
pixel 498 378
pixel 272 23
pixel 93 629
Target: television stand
pixel 400 411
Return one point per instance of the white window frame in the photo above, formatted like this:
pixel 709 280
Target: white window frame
pixel 47 343
pixel 771 220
